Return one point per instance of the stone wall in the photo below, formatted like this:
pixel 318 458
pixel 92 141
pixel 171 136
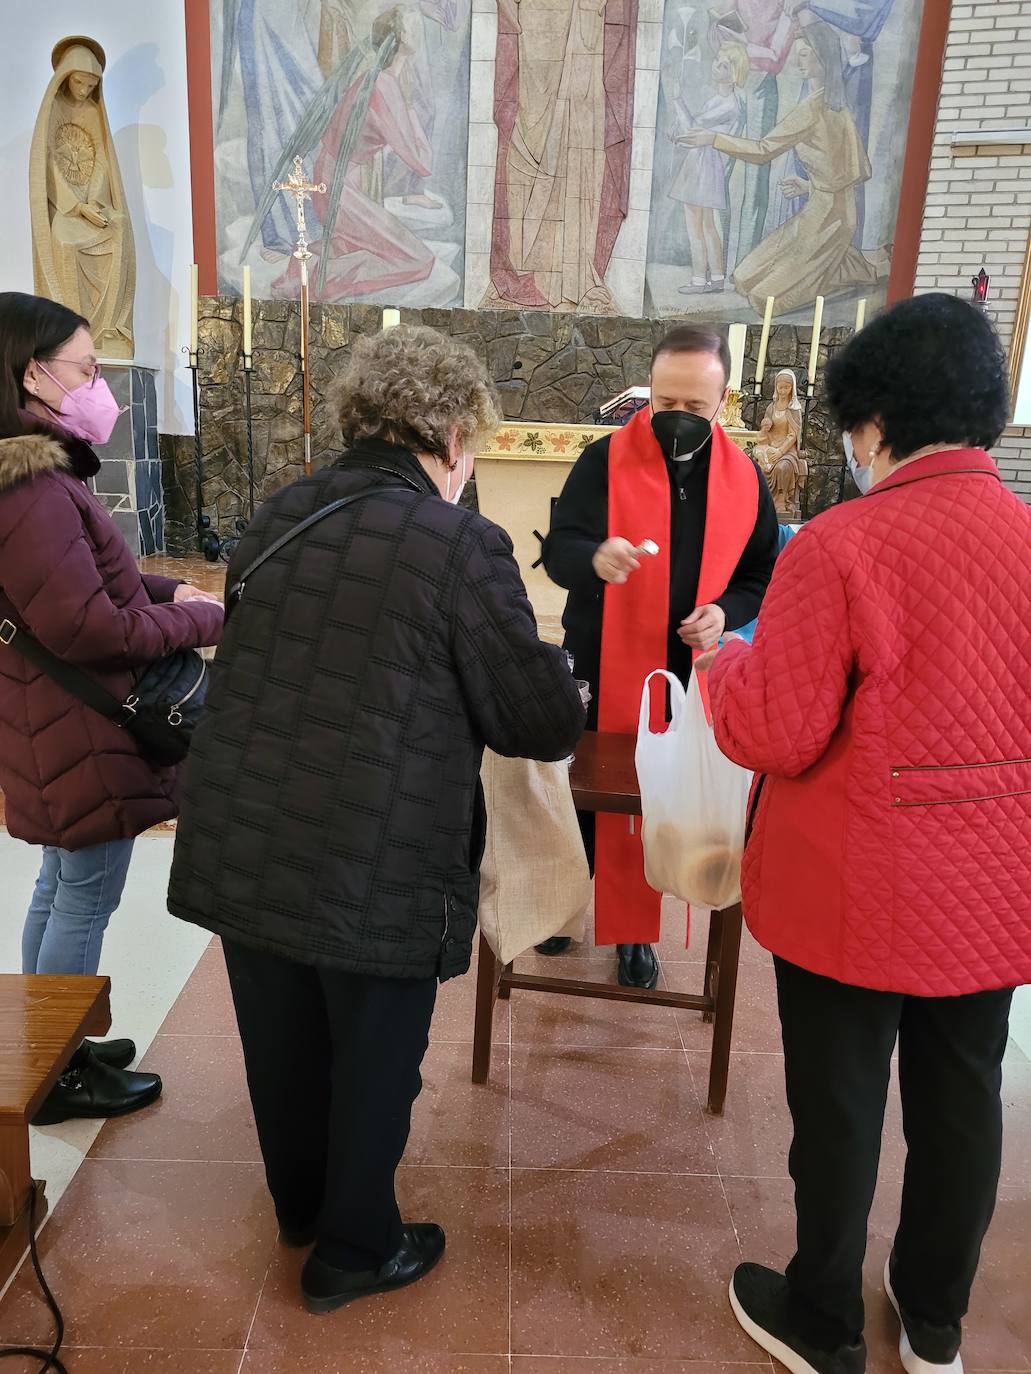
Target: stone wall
pixel 556 367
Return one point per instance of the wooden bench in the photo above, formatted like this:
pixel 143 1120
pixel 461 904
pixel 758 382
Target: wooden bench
pixel 43 1021
pixel 604 778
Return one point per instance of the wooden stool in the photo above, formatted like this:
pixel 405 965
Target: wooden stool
pixel 43 1021
pixel 604 778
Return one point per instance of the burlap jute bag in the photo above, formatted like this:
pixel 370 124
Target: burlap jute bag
pixel 534 880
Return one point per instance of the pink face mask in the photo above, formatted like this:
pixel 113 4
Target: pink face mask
pixel 88 411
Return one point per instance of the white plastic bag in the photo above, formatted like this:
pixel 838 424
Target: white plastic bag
pixel 693 802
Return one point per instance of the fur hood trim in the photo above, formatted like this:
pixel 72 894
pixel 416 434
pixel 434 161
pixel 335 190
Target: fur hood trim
pixel 30 455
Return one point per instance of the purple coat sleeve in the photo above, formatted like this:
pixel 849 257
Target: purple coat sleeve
pixel 51 578
pixel 161 590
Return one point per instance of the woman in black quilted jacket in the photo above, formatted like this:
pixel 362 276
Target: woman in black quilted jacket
pixel 332 824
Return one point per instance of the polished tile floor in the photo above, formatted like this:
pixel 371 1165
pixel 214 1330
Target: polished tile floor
pixel 594 1211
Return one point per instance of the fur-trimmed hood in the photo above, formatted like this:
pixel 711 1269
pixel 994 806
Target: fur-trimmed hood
pixel 31 455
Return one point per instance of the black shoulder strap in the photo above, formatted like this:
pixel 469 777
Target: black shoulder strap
pixel 302 527
pixel 74 681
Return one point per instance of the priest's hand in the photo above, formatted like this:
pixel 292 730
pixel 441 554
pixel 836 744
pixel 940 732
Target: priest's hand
pixel 703 629
pixel 615 560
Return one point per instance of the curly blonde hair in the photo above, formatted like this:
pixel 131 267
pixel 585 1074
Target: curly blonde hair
pixel 413 386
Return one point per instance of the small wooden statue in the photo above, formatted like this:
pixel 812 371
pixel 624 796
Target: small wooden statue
pixel 83 252
pixel 778 451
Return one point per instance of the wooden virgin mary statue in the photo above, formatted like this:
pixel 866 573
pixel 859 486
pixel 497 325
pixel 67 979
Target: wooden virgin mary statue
pixel 83 253
pixel 777 451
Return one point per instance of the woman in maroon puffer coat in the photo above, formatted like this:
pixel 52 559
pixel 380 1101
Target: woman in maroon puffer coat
pixel 74 782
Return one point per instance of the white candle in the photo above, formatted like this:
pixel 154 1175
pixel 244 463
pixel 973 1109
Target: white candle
pixel 814 351
pixel 764 343
pixel 391 318
pixel 738 335
pixel 860 315
pixel 247 311
pixel 194 307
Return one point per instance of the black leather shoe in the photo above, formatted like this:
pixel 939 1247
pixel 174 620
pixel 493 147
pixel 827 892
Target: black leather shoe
pixel 116 1054
pixel 638 966
pixel 89 1088
pixel 326 1288
pixel 760 1300
pixel 558 944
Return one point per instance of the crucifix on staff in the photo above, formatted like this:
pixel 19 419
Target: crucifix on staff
pixel 301 190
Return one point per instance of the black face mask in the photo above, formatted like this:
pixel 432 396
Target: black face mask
pixel 680 434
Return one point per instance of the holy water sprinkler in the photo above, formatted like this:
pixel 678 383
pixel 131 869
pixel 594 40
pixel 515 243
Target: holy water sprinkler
pixel 647 548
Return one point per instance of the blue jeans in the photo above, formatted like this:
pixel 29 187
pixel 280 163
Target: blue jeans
pixel 76 894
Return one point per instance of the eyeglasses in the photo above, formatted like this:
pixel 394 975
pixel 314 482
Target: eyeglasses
pixel 90 369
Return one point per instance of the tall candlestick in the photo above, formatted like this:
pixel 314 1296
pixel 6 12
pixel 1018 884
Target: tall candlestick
pixel 814 351
pixel 738 335
pixel 194 308
pixel 860 315
pixel 764 344
pixel 391 318
pixel 247 312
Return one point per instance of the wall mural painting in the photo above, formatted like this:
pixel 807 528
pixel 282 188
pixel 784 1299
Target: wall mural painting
pixel 563 106
pixel 374 96
pixel 776 170
pixel 778 155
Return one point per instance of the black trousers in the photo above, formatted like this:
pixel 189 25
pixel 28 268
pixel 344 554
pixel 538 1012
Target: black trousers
pixel 333 1070
pixel 838 1045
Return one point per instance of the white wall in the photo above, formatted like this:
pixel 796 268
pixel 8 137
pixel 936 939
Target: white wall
pixel 145 95
pixel 979 200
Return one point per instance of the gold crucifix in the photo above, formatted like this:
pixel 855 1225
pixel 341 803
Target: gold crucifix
pixel 301 191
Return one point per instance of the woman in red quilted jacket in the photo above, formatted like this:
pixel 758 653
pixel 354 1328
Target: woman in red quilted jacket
pixel 885 708
pixel 73 782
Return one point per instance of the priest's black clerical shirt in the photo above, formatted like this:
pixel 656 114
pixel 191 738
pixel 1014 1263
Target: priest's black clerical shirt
pixel 580 524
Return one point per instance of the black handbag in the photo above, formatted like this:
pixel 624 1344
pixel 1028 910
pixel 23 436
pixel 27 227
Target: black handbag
pixel 160 712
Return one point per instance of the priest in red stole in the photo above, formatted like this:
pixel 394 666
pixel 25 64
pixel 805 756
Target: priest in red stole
pixel 671 476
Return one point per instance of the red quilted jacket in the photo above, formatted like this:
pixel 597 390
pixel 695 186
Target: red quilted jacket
pixel 886 709
pixel 69 776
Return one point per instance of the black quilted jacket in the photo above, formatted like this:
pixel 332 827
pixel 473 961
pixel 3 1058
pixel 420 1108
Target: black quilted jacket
pixel 332 811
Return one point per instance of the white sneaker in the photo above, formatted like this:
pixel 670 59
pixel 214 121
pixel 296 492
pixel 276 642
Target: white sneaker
pixel 911 1361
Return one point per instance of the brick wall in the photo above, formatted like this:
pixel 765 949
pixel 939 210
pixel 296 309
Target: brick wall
pixel 979 198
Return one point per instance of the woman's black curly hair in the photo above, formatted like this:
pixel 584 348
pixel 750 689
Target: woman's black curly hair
pixel 930 370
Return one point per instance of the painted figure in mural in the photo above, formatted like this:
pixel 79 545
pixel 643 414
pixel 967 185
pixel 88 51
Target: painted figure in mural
pixel 83 250
pixel 700 182
pixel 563 108
pixel 860 23
pixel 336 35
pixel 767 30
pixel 813 253
pixel 370 249
pixel 777 452
pixel 280 74
pixel 399 178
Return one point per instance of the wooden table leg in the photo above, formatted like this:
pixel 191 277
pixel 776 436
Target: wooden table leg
pixel 488 975
pixel 712 957
pixel 504 991
pixel 726 993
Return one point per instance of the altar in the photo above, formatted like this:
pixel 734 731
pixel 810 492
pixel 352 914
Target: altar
pixel 520 473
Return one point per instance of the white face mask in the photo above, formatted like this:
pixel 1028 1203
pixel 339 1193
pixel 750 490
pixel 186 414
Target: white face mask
pixel 862 476
pixel 455 496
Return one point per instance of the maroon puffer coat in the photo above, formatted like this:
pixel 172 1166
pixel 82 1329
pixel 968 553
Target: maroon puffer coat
pixel 69 776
